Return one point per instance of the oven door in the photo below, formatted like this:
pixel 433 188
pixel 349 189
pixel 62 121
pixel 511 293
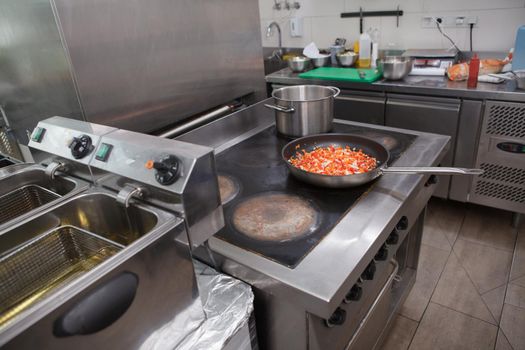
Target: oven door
pixel 144 293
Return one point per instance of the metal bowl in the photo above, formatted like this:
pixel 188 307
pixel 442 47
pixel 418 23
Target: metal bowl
pixel 395 67
pixel 346 59
pixel 321 61
pixel 299 63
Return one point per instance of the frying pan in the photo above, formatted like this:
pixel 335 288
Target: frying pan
pixel 368 146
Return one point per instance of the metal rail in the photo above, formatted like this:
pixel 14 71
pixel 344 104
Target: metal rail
pixel 205 118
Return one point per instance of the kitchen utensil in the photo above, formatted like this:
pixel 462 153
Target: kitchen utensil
pixel 334 50
pixel 343 74
pixel 368 146
pixel 395 67
pixel 518 76
pixel 304 109
pixel 347 59
pixel 321 61
pixel 340 41
pixel 299 63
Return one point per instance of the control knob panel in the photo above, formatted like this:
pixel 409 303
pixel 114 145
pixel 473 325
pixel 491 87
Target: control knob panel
pixel 81 146
pixel 369 272
pixel 167 169
pixel 337 318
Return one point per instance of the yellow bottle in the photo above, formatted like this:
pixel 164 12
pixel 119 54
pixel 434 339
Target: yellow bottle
pixel 365 46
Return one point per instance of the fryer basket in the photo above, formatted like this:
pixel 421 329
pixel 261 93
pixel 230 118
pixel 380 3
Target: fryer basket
pixel 23 200
pixel 29 272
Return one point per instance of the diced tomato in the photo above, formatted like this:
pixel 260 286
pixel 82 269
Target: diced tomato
pixel 334 160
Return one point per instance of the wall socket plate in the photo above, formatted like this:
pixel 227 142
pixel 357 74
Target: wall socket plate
pixel 457 21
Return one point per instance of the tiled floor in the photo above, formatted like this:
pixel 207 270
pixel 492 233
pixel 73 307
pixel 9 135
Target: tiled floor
pixel 470 288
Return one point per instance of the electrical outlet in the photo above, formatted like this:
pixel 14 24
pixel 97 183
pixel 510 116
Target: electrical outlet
pixel 472 20
pixel 458 21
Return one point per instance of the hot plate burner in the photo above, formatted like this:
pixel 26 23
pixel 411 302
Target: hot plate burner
pixel 275 217
pixel 228 187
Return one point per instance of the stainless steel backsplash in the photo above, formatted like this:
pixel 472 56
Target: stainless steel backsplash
pixel 138 65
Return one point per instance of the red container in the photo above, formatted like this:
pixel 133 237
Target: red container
pixel 473 72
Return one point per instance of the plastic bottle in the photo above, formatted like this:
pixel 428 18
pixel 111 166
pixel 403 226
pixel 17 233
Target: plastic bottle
pixel 374 35
pixel 473 72
pixel 365 44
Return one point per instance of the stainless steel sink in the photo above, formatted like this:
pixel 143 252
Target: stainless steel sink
pixel 30 189
pixel 272 62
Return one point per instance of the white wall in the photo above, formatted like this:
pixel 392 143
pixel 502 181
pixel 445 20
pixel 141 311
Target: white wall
pixel 498 21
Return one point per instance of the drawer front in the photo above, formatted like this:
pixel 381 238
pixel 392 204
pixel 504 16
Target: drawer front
pixel 427 114
pixel 360 107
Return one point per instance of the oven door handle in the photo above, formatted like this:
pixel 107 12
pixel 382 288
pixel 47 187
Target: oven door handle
pixel 100 308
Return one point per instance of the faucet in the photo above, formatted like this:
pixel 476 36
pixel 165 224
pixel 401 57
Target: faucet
pixel 269 33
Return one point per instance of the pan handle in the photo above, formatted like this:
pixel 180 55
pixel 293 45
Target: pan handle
pixel 280 108
pixel 432 170
pixel 336 90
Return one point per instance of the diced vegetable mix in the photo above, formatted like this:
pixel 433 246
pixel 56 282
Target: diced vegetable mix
pixel 334 160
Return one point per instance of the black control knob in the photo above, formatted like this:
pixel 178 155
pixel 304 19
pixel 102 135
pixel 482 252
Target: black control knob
pixel 393 238
pixel 167 170
pixel 402 224
pixel 81 146
pixel 369 272
pixel 337 318
pixel 355 293
pixel 432 180
pixel 382 253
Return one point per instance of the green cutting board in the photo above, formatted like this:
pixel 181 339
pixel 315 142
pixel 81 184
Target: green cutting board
pixel 342 74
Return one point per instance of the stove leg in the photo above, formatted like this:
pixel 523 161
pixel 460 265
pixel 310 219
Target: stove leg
pixel 517 219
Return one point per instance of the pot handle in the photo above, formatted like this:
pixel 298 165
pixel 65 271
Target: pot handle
pixel 432 170
pixel 336 90
pixel 280 108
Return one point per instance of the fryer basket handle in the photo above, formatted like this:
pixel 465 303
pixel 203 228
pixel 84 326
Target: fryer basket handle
pixel 100 308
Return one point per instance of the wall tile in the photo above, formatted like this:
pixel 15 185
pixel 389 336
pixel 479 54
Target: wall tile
pixel 384 5
pixel 496 29
pixel 288 41
pixel 453 5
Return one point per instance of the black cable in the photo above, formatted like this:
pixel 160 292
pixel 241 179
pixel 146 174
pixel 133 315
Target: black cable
pixel 471 27
pixel 446 36
pixel 460 54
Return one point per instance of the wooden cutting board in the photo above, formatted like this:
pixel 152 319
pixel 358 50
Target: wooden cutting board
pixel 342 74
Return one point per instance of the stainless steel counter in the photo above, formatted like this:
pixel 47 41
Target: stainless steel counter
pixel 420 85
pixel 324 276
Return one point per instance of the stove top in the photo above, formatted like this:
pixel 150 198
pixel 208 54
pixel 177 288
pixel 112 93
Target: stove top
pixel 272 214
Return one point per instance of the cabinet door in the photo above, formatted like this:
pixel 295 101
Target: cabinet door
pixel 427 114
pixel 360 107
